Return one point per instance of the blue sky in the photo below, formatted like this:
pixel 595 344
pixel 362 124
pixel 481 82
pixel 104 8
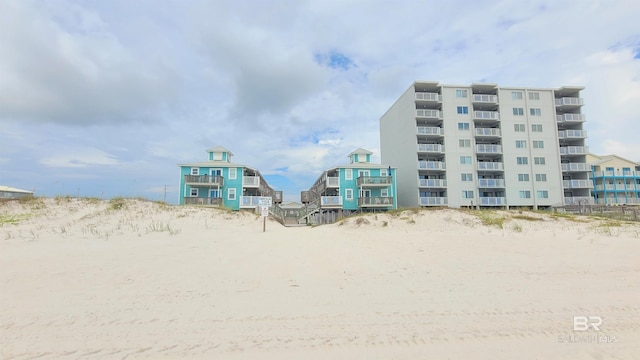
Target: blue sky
pixel 104 98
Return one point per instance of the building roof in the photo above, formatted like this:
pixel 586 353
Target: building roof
pixel 360 151
pixel 219 149
pixel 15 190
pixel 604 158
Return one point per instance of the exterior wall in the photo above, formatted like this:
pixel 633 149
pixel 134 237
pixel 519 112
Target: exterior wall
pixel 348 184
pixel 616 181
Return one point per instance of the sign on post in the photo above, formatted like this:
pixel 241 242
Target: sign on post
pixel 264 202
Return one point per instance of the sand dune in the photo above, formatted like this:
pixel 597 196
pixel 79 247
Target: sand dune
pixel 135 279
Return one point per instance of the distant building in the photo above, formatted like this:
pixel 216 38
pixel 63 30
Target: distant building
pixel 219 182
pixel 7 192
pixel 616 181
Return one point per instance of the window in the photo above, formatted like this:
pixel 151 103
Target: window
pixel 465 160
pixel 541 177
pixel 464 143
pixel 524 194
pixel 542 194
pixel 348 194
pixel 384 172
pixel 538 144
pixel 231 194
pixel 463 126
pixel 536 127
pixel 626 171
pixel 534 112
pixel 233 173
pixel 194 192
pixel 609 169
pixel 523 177
pixel 348 174
pixel 534 95
pixel 522 160
pixel 516 95
pixel 518 111
pixel 384 192
pixel 466 194
pixel 461 93
pixel 518 127
pixel 521 144
pixel 195 171
pixel 463 109
pixel 466 177
pixel 539 161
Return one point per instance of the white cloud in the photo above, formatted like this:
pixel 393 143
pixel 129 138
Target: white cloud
pixel 79 158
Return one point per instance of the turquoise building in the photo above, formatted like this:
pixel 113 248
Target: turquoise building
pixel 616 180
pixel 219 182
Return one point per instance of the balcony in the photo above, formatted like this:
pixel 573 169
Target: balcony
pixel 486 115
pixel 251 181
pixel 568 167
pixel 330 201
pixel 572 134
pixel 485 99
pixel 430 130
pixel 490 183
pixel 203 180
pixel 374 181
pixel 486 165
pixel 577 184
pixel 569 101
pixel 487 132
pixel 611 187
pixel 432 183
pixel 428 114
pixel 208 201
pixel 333 182
pixel 431 148
pixel 426 96
pixel 489 149
pixel 574 150
pixel 433 201
pixel 431 165
pixel 493 201
pixel 249 202
pixel 375 201
pixel 570 118
pixel 578 200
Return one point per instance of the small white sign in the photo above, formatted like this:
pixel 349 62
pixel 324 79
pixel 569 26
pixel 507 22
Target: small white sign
pixel 264 210
pixel 264 201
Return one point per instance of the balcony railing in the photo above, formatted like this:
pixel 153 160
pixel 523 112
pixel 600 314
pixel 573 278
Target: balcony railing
pixel 433 201
pixel 573 150
pixel 250 181
pixel 572 134
pixel 431 148
pixel 428 114
pixel 574 184
pixel 249 201
pixel 578 200
pixel 329 201
pixel 209 201
pixel 333 182
pixel 432 183
pixel 477 98
pixel 490 183
pixel 489 149
pixel 486 115
pixel 487 132
pixel 569 101
pixel 570 118
pixel 575 167
pixel 375 201
pixel 431 165
pixel 425 96
pixel 486 165
pixel 375 181
pixel 203 180
pixel 611 187
pixel 493 201
pixel 429 130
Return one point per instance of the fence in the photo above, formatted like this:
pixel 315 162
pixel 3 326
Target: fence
pixel 626 213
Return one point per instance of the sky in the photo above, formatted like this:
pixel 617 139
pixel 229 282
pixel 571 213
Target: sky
pixel 105 98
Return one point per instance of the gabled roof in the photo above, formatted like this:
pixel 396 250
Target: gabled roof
pixel 219 149
pixel 360 151
pixel 604 158
pixel 15 190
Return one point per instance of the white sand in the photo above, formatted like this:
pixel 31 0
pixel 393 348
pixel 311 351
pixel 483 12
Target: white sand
pixel 78 280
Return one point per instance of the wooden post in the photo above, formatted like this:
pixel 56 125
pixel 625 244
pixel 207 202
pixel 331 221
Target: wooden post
pixel 264 223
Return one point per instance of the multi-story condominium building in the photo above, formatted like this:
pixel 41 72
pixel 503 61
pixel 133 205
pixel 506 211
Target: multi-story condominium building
pixel 359 185
pixel 485 145
pixel 219 182
pixel 616 181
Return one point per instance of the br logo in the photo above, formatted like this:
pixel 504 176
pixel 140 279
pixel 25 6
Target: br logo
pixel 582 323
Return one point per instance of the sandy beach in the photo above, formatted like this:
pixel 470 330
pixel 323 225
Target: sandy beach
pixel 134 279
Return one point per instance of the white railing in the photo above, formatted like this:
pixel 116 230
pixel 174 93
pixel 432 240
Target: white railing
pixel 429 130
pixel 331 201
pixel 384 201
pixel 570 118
pixel 431 148
pixel 251 181
pixel 492 201
pixel 490 183
pixel 486 115
pixel 437 183
pixel 249 201
pixel 431 165
pixel 485 165
pixel 428 113
pixel 572 134
pixel 333 181
pixel 609 187
pixel 572 184
pixel 569 101
pixel 575 167
pixel 485 98
pixel 567 150
pixel 431 201
pixel 489 149
pixel 428 96
pixel 578 200
pixel 487 132
pixel 203 179
pixel 202 201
